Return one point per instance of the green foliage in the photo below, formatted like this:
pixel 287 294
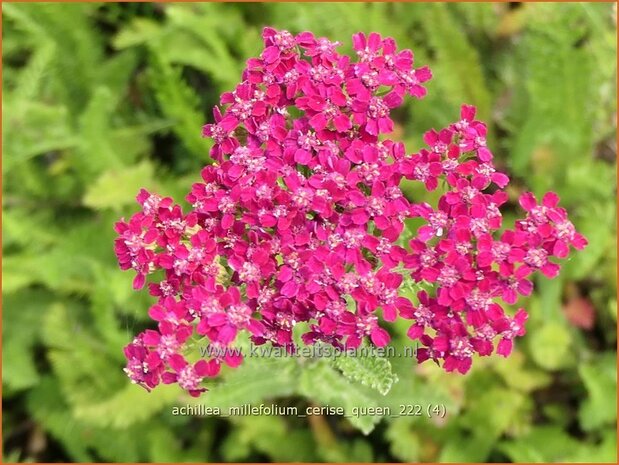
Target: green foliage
pixel 179 102
pixel 551 345
pixel 369 370
pixel 323 383
pixel 550 444
pixel 456 62
pixel 101 100
pixel 115 189
pixel 600 379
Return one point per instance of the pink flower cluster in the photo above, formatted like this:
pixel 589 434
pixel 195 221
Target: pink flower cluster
pixel 301 219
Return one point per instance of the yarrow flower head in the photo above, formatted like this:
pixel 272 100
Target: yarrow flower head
pixel 302 214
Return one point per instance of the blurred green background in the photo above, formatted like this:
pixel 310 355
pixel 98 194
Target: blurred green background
pixel 102 99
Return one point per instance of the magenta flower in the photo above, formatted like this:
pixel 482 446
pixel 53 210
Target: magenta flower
pixel 143 366
pixel 188 376
pixel 301 220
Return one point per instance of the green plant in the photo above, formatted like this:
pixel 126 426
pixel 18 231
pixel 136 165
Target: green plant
pixel 100 100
